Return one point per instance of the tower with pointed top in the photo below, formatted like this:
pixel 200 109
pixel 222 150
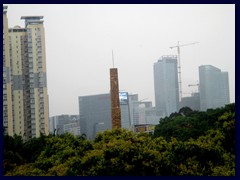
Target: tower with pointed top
pixel 114 92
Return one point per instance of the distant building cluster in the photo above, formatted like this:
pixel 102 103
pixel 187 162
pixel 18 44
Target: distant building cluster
pixel 141 116
pixel 95 113
pixel 213 88
pixel 64 124
pixel 25 95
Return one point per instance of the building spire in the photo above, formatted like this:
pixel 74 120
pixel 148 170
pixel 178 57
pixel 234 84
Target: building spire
pixel 112 59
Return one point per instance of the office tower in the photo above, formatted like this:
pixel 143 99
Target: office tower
pixel 28 77
pixel 166 85
pixel 214 87
pixel 115 105
pixel 7 93
pixel 95 113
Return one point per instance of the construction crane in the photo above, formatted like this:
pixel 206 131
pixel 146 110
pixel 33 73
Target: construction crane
pixel 179 66
pixel 194 85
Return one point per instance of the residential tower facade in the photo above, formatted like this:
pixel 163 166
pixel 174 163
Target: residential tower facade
pixel 7 92
pixel 25 97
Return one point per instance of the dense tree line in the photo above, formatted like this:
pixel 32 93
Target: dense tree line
pixel 185 143
pixel 188 124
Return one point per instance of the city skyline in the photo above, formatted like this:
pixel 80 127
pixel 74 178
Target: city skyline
pixel 78 52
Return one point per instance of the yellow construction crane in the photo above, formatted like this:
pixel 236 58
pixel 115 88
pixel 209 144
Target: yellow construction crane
pixel 179 66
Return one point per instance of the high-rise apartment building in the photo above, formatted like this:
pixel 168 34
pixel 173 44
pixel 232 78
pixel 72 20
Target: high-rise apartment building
pixel 25 78
pixel 166 85
pixel 7 94
pixel 214 87
pixel 18 57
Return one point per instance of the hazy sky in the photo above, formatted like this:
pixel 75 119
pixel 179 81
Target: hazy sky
pixel 80 39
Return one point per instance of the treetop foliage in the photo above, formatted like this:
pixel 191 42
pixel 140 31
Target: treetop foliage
pixel 185 143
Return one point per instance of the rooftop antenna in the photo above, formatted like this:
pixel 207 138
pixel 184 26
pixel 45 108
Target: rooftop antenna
pixel 112 59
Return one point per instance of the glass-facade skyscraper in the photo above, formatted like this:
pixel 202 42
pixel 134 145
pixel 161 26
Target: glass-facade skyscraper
pixel 95 113
pixel 214 87
pixel 166 85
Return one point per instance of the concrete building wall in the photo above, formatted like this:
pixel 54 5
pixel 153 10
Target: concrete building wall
pixel 17 37
pixel 7 92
